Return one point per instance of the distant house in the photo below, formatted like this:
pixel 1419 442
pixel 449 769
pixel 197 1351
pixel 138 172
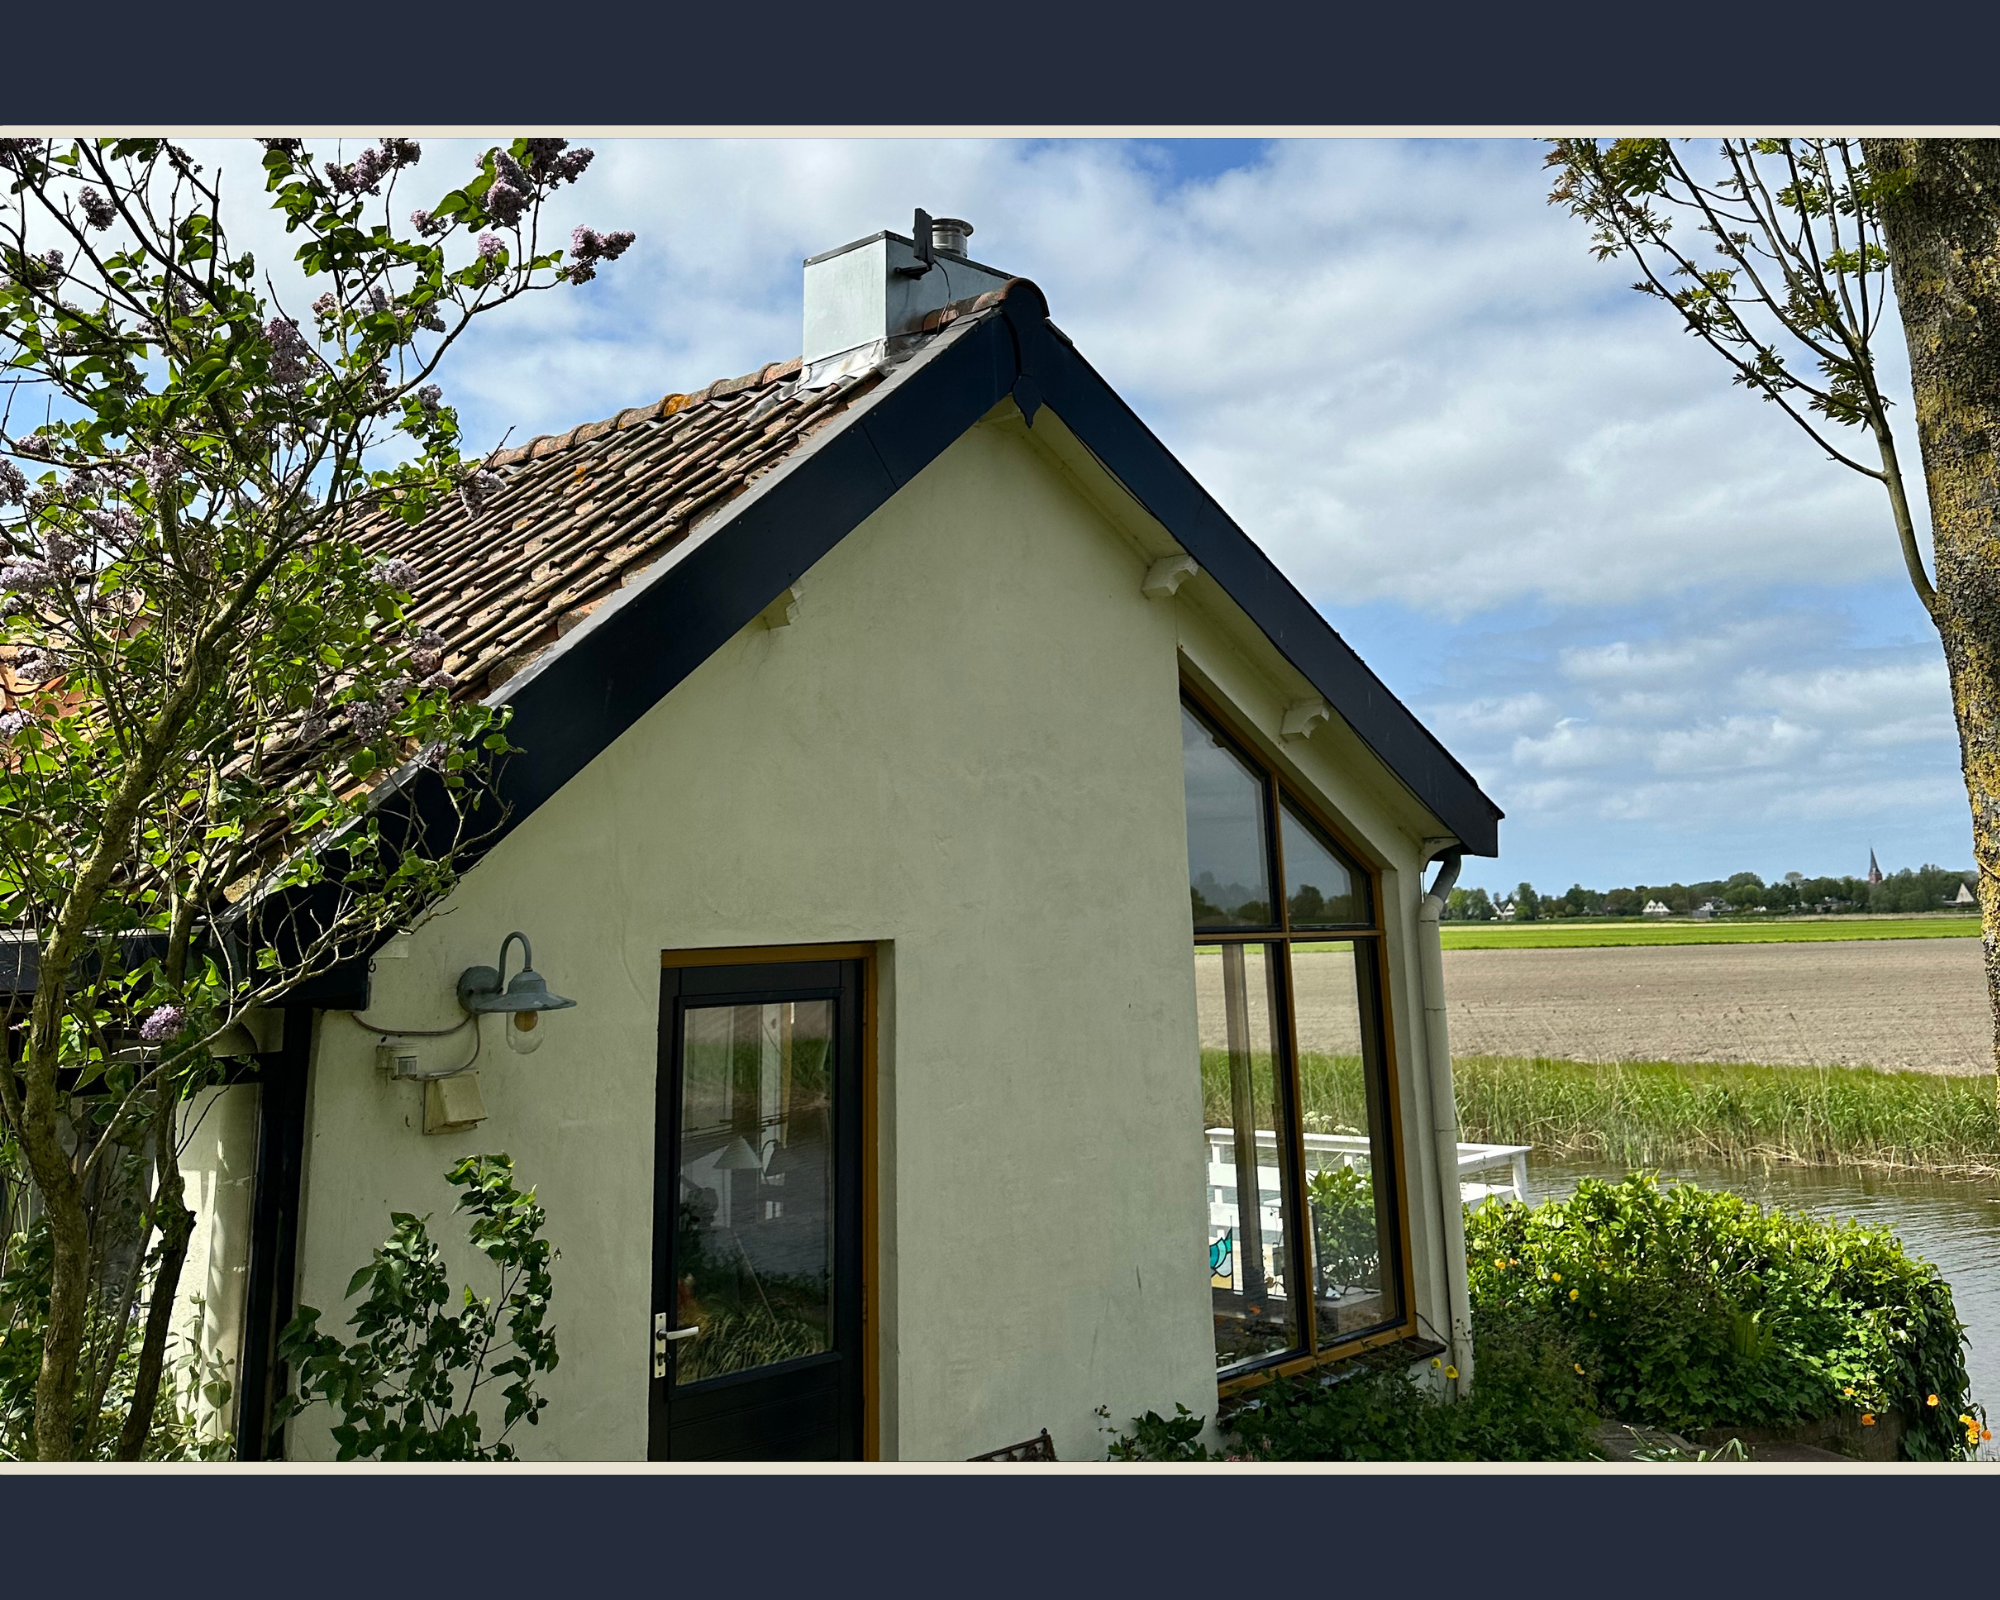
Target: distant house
pixel 1964 897
pixel 1655 909
pixel 1703 912
pixel 1505 912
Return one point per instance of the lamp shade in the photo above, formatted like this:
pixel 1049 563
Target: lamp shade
pixel 480 991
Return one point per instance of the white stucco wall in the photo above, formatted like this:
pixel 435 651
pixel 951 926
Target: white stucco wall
pixel 966 750
pixel 218 1164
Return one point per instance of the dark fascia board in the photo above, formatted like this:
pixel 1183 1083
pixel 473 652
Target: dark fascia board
pixel 570 706
pixel 1054 373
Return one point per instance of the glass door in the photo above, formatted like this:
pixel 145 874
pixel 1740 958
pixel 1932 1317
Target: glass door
pixel 757 1292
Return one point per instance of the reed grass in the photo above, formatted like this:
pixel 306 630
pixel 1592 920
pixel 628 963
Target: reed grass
pixel 1658 1113
pixel 1655 1113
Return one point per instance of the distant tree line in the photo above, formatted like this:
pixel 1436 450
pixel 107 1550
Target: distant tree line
pixel 1926 888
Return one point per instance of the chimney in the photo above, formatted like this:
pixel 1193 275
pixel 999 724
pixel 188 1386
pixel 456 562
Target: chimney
pixel 867 293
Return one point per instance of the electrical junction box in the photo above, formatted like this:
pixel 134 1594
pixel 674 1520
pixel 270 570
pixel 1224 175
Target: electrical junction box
pixel 451 1105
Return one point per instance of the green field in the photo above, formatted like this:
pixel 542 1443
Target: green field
pixel 1778 930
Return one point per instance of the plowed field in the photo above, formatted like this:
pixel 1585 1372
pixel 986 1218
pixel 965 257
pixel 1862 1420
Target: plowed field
pixel 1914 1004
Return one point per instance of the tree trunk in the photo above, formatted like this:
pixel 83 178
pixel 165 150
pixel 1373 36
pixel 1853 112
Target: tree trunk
pixel 1942 227
pixel 176 1223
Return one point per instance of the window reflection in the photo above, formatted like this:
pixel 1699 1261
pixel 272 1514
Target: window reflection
pixel 1256 1314
pixel 1349 1171
pixel 1228 845
pixel 754 1235
pixel 1323 889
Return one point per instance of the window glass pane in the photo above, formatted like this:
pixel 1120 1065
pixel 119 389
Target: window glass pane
pixel 1324 889
pixel 754 1237
pixel 1243 1128
pixel 1228 851
pixel 1350 1180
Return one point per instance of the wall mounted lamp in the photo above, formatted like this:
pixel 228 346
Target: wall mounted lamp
pixel 525 997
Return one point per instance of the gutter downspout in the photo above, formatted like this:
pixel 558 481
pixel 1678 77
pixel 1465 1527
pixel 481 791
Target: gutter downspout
pixel 1444 1112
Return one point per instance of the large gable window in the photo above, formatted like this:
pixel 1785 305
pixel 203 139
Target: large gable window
pixel 1306 1231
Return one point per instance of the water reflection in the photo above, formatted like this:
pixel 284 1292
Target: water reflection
pixel 1953 1223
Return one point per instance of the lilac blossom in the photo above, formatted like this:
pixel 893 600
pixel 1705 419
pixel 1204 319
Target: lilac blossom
pixel 401 152
pixel 25 577
pixel 18 154
pixel 479 488
pixel 554 162
pixel 326 305
pixel 32 665
pixel 288 352
pixel 313 729
pixel 161 465
pixel 11 723
pixel 118 527
pixel 162 1023
pixel 396 573
pixel 427 225
pixel 587 247
pixel 511 190
pixel 439 680
pixel 38 446
pixel 290 146
pixel 428 397
pixel 490 246
pixel 13 484
pixel 424 661
pixel 97 211
pixel 368 718
pixel 59 550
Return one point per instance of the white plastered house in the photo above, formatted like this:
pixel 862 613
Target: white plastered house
pixel 991 898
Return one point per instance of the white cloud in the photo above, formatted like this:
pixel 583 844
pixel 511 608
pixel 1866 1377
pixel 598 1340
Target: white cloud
pixel 1397 366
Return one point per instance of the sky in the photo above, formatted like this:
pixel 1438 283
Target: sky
pixel 1667 635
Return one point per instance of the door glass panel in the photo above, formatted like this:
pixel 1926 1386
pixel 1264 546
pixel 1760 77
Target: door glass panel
pixel 1346 1140
pixel 754 1234
pixel 1243 1130
pixel 1322 889
pixel 1228 849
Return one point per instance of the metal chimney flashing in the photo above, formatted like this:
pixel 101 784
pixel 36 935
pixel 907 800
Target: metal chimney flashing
pixel 856 300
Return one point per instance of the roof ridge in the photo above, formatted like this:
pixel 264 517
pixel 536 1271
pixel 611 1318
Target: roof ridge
pixel 548 444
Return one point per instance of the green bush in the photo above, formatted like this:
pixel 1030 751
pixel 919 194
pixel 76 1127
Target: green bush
pixel 1529 1403
pixel 1692 1308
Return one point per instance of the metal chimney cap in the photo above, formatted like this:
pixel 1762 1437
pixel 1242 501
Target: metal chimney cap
pixel 950 233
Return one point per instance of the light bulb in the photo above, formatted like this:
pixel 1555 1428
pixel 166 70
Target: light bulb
pixel 524 1034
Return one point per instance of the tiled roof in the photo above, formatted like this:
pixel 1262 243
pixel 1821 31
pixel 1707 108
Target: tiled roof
pixel 579 514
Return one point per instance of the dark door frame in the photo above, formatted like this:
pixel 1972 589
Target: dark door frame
pixel 274 1237
pixel 870 1277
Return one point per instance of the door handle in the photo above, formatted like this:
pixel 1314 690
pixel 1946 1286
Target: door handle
pixel 663 1336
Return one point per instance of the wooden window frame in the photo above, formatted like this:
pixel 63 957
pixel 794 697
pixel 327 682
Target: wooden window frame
pixel 1278 789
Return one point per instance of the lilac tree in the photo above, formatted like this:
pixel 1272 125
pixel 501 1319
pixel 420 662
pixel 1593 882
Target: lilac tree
pixel 210 697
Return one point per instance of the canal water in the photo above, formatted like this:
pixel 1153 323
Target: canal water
pixel 1954 1224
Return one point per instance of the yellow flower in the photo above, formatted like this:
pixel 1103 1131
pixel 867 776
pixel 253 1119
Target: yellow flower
pixel 1500 1262
pixel 1555 1277
pixel 1867 1419
pixel 1435 1363
pixel 1572 1294
pixel 1931 1401
pixel 1593 1316
pixel 1451 1372
pixel 1848 1392
pixel 1579 1368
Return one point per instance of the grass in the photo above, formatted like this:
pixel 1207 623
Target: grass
pixel 1776 930
pixel 1657 1113
pixel 1651 1113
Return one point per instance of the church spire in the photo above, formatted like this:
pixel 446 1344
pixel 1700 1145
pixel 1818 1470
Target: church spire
pixel 1874 868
